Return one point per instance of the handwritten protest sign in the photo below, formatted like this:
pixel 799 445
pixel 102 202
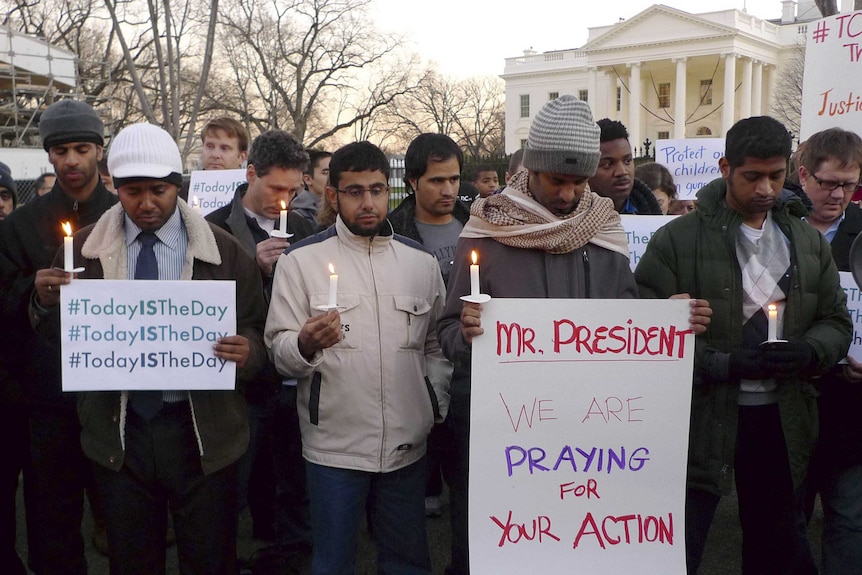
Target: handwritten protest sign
pixel 579 436
pixel 854 306
pixel 146 334
pixel 831 95
pixel 639 230
pixel 214 188
pixel 693 163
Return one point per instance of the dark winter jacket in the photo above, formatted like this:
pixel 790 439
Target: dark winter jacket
pixel 696 254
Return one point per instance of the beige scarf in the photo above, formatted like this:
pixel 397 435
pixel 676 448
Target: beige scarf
pixel 516 219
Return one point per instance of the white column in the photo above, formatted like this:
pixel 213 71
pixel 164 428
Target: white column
pixel 745 96
pixel 727 108
pixel 679 109
pixel 757 89
pixel 634 125
pixel 592 88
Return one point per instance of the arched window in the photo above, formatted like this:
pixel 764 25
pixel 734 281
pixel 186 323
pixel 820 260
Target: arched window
pixel 704 131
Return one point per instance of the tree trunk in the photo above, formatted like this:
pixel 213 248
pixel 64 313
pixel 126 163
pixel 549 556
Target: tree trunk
pixel 828 7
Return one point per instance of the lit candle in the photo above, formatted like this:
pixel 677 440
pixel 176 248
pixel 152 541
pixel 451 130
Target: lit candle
pixel 196 204
pixel 68 248
pixel 282 221
pixel 772 333
pixel 474 275
pixel 333 286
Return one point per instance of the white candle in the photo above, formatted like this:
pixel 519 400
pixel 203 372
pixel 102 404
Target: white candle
pixel 772 315
pixel 474 275
pixel 68 248
pixel 282 221
pixel 333 286
pixel 196 204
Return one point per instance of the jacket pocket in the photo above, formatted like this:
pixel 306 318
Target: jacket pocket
pixel 314 399
pixel 351 319
pixel 414 320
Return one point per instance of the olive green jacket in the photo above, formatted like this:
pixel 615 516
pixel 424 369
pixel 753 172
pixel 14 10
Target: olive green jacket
pixel 696 254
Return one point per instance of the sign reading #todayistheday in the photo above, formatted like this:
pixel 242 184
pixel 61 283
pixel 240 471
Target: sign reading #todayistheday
pixel 579 436
pixel 693 163
pixel 214 188
pixel 143 334
pixel 831 95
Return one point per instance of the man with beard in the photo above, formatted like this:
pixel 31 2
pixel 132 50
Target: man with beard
pixel 72 134
pixel 372 378
pixel 615 174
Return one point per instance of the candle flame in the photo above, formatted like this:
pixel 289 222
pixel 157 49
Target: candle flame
pixel 196 202
pixel 772 307
pixel 284 207
pixel 67 227
pixel 474 256
pixel 331 267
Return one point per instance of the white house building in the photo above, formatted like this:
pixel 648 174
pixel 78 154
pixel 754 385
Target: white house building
pixel 664 73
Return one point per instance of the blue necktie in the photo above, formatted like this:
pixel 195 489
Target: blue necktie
pixel 146 403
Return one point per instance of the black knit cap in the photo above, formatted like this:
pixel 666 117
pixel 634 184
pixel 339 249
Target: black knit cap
pixel 7 182
pixel 70 121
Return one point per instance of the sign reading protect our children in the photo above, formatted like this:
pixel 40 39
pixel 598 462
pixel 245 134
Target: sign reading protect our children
pixel 693 163
pixel 831 94
pixel 579 436
pixel 144 334
pixel 214 188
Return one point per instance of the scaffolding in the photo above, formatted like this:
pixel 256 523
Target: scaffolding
pixel 33 74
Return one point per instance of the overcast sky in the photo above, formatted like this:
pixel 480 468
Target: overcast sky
pixel 473 37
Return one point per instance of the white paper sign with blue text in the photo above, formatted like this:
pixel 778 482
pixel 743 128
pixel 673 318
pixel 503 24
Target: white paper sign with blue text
pixel 146 334
pixel 214 188
pixel 639 231
pixel 692 162
pixel 579 436
pixel 854 306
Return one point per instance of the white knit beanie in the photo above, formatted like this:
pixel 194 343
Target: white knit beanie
pixel 564 139
pixel 144 152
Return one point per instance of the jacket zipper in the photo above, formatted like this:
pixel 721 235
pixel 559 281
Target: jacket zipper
pixel 586 259
pixel 379 352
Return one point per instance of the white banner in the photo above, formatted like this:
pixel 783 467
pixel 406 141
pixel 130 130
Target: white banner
pixel 693 163
pixel 831 94
pixel 121 335
pixel 214 188
pixel 639 231
pixel 579 436
pixel 854 306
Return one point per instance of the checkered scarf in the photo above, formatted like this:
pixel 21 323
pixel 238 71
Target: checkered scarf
pixel 516 219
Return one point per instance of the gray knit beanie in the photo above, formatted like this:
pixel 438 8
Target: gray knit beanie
pixel 564 139
pixel 70 121
pixel 8 182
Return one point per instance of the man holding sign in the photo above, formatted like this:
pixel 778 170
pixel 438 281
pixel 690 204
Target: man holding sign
pixel 544 236
pixel 780 319
pixel 174 448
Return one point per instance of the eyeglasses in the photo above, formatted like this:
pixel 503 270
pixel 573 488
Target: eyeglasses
pixel 831 186
pixel 357 192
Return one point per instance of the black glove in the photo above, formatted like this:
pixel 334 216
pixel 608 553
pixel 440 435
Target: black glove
pixel 747 364
pixel 788 359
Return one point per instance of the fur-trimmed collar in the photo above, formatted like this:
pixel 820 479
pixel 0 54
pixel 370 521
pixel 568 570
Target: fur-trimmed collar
pixel 107 242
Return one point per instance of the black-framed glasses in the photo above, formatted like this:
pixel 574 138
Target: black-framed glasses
pixel 831 186
pixel 356 192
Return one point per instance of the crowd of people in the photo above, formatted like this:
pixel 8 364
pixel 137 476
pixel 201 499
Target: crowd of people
pixel 354 404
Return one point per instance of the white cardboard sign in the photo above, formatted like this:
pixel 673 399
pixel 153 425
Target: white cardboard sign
pixel 639 231
pixel 854 306
pixel 214 188
pixel 579 436
pixel 693 163
pixel 831 95
pixel 146 334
